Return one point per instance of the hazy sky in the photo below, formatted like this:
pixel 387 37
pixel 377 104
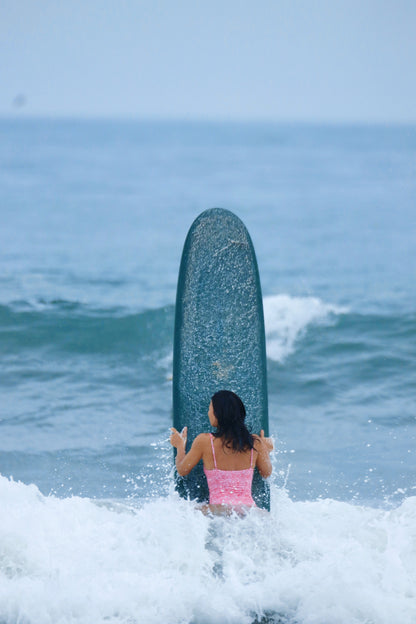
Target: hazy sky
pixel 333 60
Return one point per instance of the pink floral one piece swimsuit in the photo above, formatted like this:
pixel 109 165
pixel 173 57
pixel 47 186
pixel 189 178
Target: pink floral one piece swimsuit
pixel 230 487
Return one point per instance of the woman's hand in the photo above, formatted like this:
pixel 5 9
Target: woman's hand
pixel 186 461
pixel 178 440
pixel 264 448
pixel 267 443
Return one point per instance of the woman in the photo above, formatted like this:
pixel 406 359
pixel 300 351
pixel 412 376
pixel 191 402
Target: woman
pixel 229 455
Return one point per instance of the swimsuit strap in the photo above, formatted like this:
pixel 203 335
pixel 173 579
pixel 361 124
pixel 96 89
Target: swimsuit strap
pixel 251 459
pixel 213 452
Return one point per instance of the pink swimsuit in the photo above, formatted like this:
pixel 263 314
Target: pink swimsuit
pixel 229 487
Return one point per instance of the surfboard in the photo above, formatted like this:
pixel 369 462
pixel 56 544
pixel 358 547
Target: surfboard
pixel 219 339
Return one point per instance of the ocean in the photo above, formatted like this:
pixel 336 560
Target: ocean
pixel 94 215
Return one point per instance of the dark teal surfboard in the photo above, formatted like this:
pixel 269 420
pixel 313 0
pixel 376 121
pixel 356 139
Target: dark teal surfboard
pixel 219 341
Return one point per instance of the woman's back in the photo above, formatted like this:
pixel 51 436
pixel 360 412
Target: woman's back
pixel 230 484
pixel 218 455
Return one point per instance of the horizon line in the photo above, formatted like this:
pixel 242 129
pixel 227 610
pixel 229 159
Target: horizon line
pixel 201 119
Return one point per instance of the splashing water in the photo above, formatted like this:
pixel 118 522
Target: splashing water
pixel 80 560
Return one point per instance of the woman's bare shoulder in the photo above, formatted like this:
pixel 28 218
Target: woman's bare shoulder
pixel 202 439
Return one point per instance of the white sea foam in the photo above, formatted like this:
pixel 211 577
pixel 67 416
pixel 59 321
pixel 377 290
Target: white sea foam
pixel 286 318
pixel 76 560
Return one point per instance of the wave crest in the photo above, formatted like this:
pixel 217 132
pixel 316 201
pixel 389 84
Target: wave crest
pixel 286 319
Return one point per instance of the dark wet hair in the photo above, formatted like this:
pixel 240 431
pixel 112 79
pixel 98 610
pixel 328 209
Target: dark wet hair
pixel 230 413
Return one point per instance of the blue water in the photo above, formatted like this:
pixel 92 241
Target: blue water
pixel 93 219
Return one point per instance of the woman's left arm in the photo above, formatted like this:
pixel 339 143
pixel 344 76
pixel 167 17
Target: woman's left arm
pixel 186 461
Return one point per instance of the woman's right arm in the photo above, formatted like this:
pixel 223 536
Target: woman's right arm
pixel 263 446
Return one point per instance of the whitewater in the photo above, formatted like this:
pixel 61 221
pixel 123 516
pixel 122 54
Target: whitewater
pixel 80 560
